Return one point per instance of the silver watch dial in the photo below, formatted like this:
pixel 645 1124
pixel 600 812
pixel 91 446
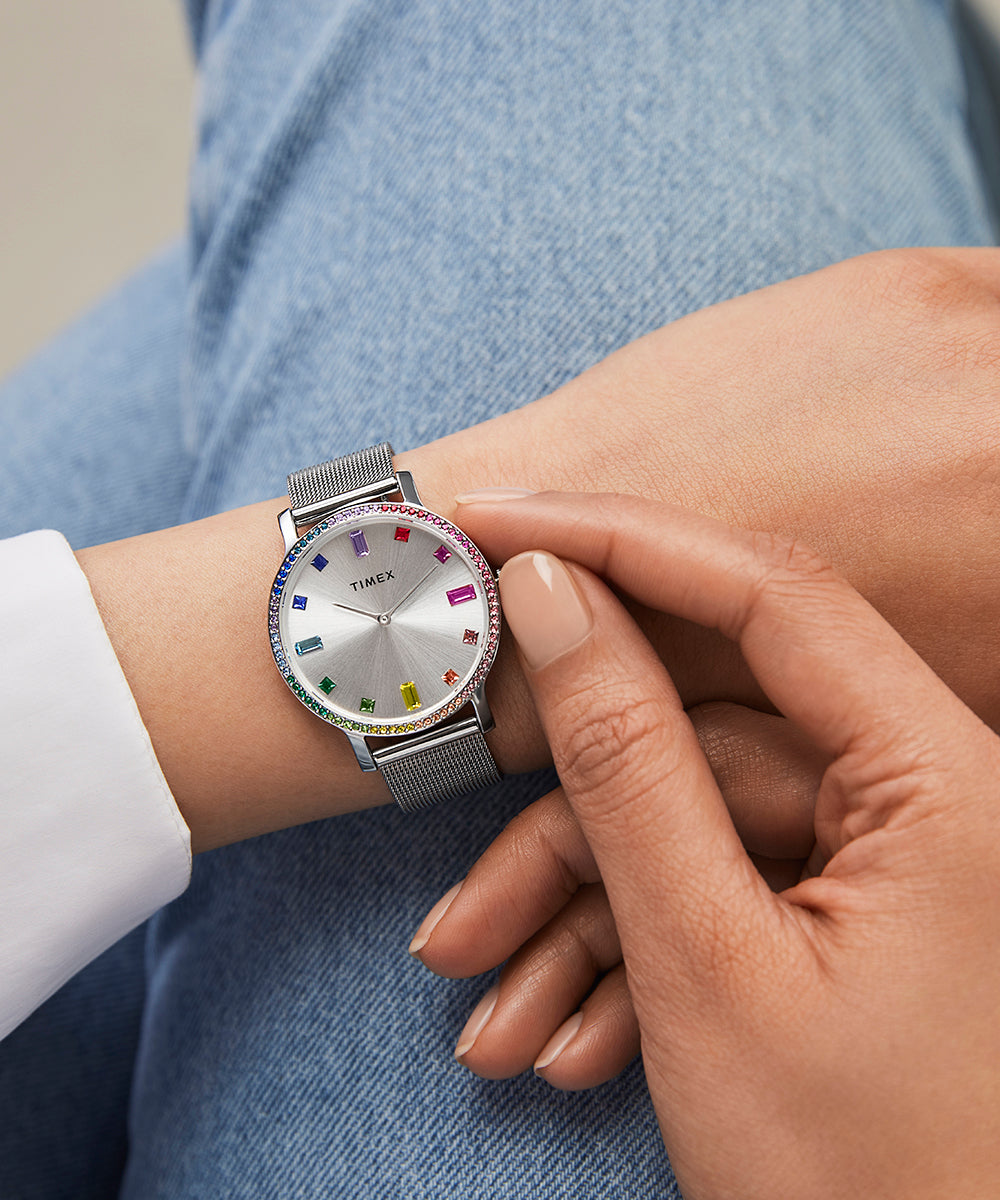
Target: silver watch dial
pixel 384 618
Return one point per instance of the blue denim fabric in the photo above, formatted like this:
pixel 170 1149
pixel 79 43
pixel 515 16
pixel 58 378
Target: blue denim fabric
pixel 406 217
pixel 90 429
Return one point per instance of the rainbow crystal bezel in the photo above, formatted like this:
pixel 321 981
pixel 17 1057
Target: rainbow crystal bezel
pixel 469 550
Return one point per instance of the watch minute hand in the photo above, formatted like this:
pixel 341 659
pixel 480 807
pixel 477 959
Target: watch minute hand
pixel 411 591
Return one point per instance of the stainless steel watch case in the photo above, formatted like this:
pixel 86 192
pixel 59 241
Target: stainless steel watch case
pixel 451 728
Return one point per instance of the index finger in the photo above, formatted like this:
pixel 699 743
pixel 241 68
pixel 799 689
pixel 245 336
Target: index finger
pixel 823 655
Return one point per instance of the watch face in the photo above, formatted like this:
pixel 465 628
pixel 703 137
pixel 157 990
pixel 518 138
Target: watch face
pixel 384 618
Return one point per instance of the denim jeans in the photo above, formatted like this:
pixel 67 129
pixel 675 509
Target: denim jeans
pixel 404 218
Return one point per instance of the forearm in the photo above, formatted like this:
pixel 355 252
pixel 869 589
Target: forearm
pixel 185 609
pixel 760 411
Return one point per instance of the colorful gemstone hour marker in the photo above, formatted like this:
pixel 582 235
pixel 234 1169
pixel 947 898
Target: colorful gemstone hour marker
pixel 367 706
pixel 327 684
pixel 460 595
pixel 471 637
pixel 319 562
pixel 451 678
pixel 411 697
pixel 299 601
pixel 442 554
pixel 313 643
pixel 402 534
pixel 357 536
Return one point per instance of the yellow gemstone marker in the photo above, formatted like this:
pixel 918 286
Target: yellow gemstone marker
pixel 410 696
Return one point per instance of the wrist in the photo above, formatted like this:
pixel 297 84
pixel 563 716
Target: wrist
pixel 185 609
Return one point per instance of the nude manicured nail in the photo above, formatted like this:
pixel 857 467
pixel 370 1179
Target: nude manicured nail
pixel 543 607
pixel 485 495
pixel 433 917
pixel 558 1042
pixel 477 1022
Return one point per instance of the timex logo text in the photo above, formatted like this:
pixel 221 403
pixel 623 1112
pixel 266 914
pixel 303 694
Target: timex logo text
pixel 359 584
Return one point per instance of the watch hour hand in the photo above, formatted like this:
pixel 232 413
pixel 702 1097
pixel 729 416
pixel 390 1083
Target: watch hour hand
pixel 363 612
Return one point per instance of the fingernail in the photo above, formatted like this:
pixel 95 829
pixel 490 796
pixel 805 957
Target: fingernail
pixel 485 495
pixel 477 1022
pixel 558 1042
pixel 437 912
pixel 543 606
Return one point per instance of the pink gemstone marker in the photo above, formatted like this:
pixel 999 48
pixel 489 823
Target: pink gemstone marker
pixel 460 595
pixel 442 554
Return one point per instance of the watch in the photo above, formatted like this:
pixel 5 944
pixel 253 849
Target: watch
pixel 384 621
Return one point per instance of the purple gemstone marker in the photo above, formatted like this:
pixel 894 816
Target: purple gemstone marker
pixel 462 594
pixel 357 536
pixel 442 554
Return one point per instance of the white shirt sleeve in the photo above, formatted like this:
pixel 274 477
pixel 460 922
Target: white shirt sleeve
pixel 91 841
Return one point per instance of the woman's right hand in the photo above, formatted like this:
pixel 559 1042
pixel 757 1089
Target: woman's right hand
pixel 840 1038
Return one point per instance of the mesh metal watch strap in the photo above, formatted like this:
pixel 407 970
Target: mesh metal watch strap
pixel 364 472
pixel 450 760
pixel 431 769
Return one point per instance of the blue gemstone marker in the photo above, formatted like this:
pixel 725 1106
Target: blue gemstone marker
pixel 299 601
pixel 357 536
pixel 313 643
pixel 319 562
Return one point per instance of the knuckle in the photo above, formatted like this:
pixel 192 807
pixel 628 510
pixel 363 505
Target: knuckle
pixel 601 733
pixel 780 553
pixel 792 581
pixel 945 302
pixel 936 280
pixel 581 941
pixel 567 952
pixel 787 564
pixel 547 842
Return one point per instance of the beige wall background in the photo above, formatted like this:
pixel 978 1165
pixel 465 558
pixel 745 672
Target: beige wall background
pixel 95 102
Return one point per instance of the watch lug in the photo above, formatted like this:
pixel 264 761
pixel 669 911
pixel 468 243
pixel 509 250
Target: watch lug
pixel 481 707
pixel 407 488
pixel 361 752
pixel 286 524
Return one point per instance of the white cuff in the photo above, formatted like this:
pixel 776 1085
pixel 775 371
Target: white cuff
pixel 91 841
